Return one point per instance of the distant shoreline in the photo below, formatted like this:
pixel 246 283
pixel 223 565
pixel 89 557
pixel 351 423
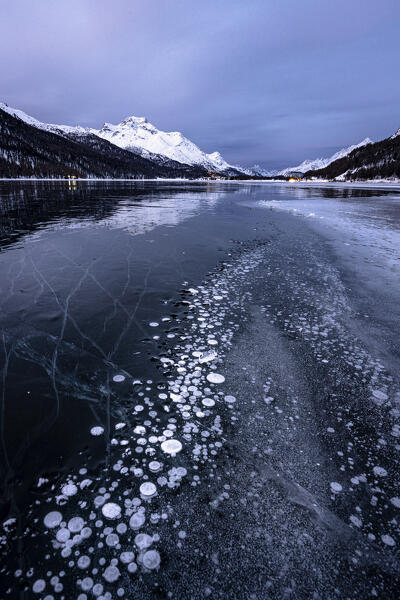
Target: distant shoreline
pixel 319 183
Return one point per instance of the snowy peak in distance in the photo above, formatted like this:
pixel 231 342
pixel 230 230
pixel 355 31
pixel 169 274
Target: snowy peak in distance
pixel 321 163
pixel 138 135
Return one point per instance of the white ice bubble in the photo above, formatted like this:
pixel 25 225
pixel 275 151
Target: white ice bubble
pixel 127 557
pixel 69 489
pixel 336 487
pixel 97 430
pixel 111 510
pixel 111 574
pixel 379 395
pixel 76 524
pixel 209 402
pixel 155 466
pixel 38 586
pixel 151 559
pixel 171 446
pixel 148 489
pixel 83 562
pixel 63 535
pixel 153 324
pixel 230 399
pixel 87 584
pixel 175 397
pixel 207 356
pixel 380 471
pixel 143 541
pixel 112 540
pixel 137 521
pixel 388 540
pixel 215 378
pixel 132 567
pixel 53 519
pixel 118 378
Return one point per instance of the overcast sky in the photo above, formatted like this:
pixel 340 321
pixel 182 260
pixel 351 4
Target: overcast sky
pixel 263 81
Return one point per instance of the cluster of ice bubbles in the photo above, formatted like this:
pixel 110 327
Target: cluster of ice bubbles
pixel 104 528
pixel 316 316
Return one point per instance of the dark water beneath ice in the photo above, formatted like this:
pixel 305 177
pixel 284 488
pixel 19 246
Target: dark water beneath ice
pixel 94 283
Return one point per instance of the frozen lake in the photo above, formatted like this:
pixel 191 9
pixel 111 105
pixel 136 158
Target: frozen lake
pixel 200 391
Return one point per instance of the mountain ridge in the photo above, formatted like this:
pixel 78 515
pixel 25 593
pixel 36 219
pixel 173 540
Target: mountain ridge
pixel 137 135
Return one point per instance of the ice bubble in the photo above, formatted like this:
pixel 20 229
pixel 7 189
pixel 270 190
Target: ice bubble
pixel 230 399
pixel 38 586
pixel 148 489
pixel 395 501
pixel 143 541
pixel 207 356
pixel 137 520
pixel 153 324
pixel 112 540
pixel 83 562
pixel 151 559
pixel 118 378
pixel 209 402
pixel 336 487
pixel 356 520
pixel 155 466
pixel 127 557
pixel 175 397
pixel 380 471
pixel 388 540
pixel 132 567
pixel 379 395
pixel 111 510
pixel 215 378
pixel 52 519
pixel 97 430
pixel 97 589
pixel 76 524
pixel 171 446
pixel 111 574
pixel 87 584
pixel 69 489
pixel 63 535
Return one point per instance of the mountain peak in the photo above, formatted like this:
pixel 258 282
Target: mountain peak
pixel 135 120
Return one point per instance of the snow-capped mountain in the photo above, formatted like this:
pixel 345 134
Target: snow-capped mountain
pixel 321 163
pixel 137 135
pixel 29 148
pixel 259 171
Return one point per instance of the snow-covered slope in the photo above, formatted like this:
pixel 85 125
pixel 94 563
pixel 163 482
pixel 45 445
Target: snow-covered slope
pixel 259 171
pixel 137 134
pixel 141 137
pixel 58 129
pixel 321 163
